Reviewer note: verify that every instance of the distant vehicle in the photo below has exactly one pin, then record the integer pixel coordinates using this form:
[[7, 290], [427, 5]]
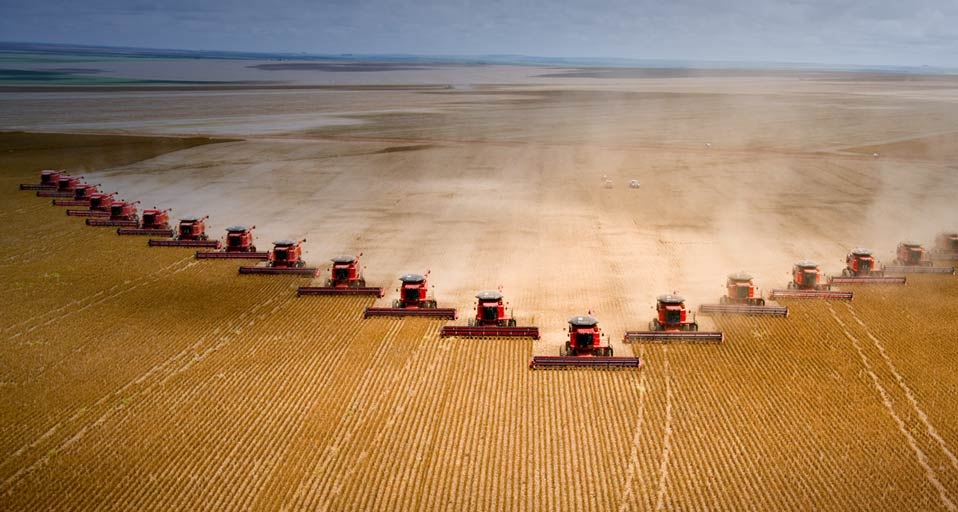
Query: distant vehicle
[[634, 184]]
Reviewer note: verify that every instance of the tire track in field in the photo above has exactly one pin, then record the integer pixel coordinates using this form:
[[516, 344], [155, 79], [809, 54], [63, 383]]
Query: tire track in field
[[636, 441], [96, 298], [667, 437], [162, 373], [932, 431], [920, 455]]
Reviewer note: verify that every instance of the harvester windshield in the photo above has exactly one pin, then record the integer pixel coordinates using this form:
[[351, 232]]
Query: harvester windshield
[[490, 312], [741, 291], [864, 265], [584, 339], [673, 315], [411, 294], [341, 273]]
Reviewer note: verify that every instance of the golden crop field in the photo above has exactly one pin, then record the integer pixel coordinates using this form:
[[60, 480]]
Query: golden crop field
[[139, 378]]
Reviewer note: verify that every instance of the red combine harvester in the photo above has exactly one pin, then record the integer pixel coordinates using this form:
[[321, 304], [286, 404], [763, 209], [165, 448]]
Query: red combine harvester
[[48, 181], [191, 232], [346, 278], [807, 283], [81, 196], [742, 298], [99, 206], [153, 222], [239, 245], [946, 246], [672, 323], [490, 321], [285, 258], [413, 301], [861, 267], [585, 348], [912, 258], [66, 187], [122, 214]]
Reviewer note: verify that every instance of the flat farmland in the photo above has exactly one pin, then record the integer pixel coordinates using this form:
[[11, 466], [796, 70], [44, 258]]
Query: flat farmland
[[136, 378]]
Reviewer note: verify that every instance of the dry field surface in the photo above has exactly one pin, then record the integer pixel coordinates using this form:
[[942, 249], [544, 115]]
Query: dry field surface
[[137, 378]]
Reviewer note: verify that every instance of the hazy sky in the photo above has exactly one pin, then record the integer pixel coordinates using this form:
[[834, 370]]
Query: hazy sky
[[893, 32]]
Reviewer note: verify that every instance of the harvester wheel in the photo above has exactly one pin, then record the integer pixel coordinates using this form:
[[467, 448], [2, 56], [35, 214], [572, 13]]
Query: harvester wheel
[[252, 248], [760, 302], [471, 322], [396, 303], [564, 350], [791, 285], [723, 300], [846, 272], [362, 282], [512, 322], [694, 326]]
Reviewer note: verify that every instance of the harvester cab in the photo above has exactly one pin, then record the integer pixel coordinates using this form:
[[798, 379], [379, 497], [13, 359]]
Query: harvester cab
[[68, 183], [124, 210], [912, 254], [861, 263], [806, 276], [286, 253], [154, 218], [345, 273], [913, 258], [741, 290], [84, 191], [413, 293], [947, 243], [240, 239], [192, 228], [101, 202], [585, 338], [491, 311], [672, 315]]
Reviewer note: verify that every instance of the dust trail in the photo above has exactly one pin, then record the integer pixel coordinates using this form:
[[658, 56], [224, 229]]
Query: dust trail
[[634, 453], [886, 401], [932, 431], [667, 438]]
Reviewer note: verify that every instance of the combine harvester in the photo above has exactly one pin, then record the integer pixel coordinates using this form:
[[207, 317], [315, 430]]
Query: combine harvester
[[191, 232], [861, 268], [413, 301], [807, 283], [672, 324], [154, 222], [912, 258], [742, 298], [122, 214], [491, 321], [81, 196], [98, 206], [48, 181], [946, 246], [285, 258], [346, 278], [66, 187], [239, 245], [584, 349]]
